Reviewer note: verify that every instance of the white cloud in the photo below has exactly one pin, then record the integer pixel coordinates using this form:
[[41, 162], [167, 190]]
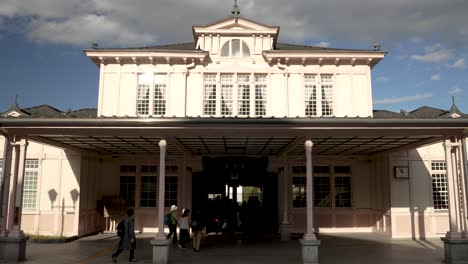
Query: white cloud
[[432, 48], [459, 64], [82, 30], [382, 78], [455, 90], [358, 21], [436, 77], [323, 44], [435, 56], [397, 100]]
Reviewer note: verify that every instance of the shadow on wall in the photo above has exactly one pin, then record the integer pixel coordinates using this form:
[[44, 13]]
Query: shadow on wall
[[74, 194], [423, 192]]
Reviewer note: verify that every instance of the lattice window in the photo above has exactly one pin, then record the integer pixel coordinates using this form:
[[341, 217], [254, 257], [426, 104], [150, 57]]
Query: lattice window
[[149, 186], [299, 186], [260, 94], [439, 185], [310, 95], [321, 186], [226, 94], [209, 95], [160, 94], [31, 173], [342, 175], [127, 184], [243, 96], [327, 95], [143, 94]]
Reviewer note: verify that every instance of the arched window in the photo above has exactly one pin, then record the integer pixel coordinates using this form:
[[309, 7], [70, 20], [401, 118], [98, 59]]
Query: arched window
[[235, 48]]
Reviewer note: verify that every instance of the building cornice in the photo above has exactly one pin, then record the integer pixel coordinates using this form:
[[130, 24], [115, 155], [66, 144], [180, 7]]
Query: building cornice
[[326, 57]]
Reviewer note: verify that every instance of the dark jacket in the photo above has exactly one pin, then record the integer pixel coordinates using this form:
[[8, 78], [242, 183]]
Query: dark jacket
[[125, 243]]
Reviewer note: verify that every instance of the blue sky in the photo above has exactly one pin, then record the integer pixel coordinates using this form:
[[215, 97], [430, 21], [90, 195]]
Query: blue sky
[[42, 41]]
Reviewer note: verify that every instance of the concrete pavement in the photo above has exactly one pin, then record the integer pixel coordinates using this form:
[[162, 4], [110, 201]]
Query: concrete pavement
[[336, 248]]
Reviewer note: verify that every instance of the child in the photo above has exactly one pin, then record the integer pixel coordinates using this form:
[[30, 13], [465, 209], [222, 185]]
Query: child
[[184, 229]]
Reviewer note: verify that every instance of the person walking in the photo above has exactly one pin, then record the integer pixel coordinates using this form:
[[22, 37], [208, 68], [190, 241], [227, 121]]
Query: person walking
[[198, 225], [184, 229], [128, 240], [173, 224]]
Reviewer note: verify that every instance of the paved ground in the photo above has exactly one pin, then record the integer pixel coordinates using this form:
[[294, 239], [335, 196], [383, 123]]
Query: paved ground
[[342, 248]]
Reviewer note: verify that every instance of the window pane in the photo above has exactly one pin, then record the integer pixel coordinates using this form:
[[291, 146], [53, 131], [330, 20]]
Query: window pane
[[321, 191], [226, 94], [225, 49], [245, 50], [310, 95], [31, 173], [127, 189], [235, 51], [260, 94], [439, 185], [159, 94], [209, 95], [327, 95], [342, 191], [148, 191]]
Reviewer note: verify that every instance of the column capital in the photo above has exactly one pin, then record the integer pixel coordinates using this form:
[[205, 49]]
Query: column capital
[[308, 144], [162, 143]]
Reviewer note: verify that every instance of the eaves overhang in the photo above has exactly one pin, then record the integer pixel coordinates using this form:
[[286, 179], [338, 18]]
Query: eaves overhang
[[326, 57], [234, 136], [120, 56], [334, 122]]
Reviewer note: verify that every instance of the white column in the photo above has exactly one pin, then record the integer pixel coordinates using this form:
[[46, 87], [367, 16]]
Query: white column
[[285, 219], [5, 187], [12, 187], [462, 186], [309, 192], [454, 231], [162, 176]]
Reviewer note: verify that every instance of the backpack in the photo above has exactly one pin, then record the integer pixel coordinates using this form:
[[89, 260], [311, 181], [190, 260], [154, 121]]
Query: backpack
[[168, 219], [121, 229]]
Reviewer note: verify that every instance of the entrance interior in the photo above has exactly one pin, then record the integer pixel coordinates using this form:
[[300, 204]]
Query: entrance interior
[[237, 194]]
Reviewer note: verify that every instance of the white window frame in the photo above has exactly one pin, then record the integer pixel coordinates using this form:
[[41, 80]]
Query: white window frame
[[242, 45], [439, 175], [30, 183], [232, 87], [324, 88], [152, 102]]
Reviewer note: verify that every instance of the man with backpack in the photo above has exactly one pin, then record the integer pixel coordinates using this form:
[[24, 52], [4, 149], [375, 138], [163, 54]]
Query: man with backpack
[[171, 221], [127, 241]]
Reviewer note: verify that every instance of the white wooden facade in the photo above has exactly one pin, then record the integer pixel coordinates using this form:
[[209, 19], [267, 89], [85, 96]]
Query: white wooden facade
[[399, 207]]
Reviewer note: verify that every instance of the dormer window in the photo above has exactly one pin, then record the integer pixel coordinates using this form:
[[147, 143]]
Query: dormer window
[[235, 48]]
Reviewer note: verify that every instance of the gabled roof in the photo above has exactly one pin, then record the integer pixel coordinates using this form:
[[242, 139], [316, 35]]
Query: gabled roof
[[421, 112], [221, 21], [43, 111], [426, 112], [82, 113], [279, 46]]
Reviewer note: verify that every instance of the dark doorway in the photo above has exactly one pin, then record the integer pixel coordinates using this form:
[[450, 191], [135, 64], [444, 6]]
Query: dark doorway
[[236, 194]]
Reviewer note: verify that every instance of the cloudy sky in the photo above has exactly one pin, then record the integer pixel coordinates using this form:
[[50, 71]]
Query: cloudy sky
[[41, 42]]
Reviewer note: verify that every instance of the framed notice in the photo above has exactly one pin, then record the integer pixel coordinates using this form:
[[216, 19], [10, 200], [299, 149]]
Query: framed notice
[[401, 172]]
